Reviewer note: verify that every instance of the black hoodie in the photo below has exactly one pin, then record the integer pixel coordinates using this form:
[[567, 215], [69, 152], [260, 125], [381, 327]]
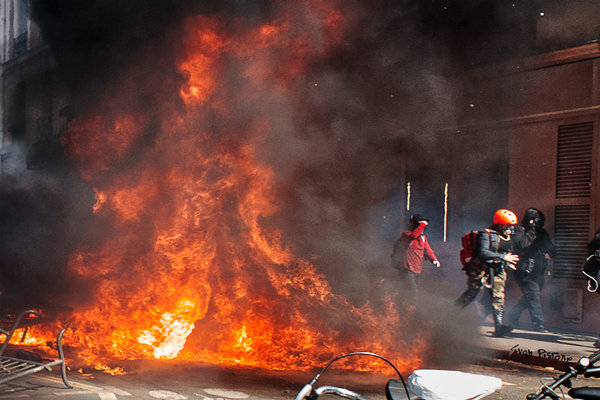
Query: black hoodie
[[535, 254]]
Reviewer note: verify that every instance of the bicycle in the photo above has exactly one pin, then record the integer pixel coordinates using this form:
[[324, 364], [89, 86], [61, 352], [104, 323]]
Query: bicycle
[[465, 386], [585, 367], [397, 389]]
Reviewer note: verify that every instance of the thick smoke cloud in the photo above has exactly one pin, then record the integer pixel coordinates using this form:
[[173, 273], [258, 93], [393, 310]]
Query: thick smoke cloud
[[93, 42], [43, 216], [361, 115]]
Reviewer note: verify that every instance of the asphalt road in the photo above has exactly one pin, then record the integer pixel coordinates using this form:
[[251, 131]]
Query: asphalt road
[[516, 360], [517, 381]]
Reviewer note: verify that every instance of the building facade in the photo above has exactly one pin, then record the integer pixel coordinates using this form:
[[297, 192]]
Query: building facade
[[32, 100], [551, 122], [529, 136]]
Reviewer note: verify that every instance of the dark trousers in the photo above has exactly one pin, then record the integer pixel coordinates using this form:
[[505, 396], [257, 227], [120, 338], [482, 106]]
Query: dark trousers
[[409, 285], [530, 301]]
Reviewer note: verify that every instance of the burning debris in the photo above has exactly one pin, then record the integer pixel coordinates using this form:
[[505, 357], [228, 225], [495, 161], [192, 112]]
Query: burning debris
[[184, 257], [233, 150]]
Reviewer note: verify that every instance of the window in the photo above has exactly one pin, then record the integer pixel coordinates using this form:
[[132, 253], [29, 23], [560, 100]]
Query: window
[[573, 211], [571, 235], [22, 17], [574, 160]]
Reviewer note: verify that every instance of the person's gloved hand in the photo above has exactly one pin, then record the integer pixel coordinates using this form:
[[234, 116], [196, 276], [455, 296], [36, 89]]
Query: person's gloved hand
[[511, 259]]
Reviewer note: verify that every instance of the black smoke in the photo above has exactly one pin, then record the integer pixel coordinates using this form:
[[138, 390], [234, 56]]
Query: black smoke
[[93, 42], [42, 220], [365, 115]]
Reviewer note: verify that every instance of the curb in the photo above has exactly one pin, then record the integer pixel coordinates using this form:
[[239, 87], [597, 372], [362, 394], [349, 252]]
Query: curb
[[558, 349], [544, 362]]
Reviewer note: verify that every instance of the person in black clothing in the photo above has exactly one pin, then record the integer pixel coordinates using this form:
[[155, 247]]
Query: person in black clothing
[[592, 267], [533, 260], [594, 249]]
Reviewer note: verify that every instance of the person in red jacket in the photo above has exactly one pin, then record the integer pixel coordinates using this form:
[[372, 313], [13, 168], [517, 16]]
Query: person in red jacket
[[409, 251]]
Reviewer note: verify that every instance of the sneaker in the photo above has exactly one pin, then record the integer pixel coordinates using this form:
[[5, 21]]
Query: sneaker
[[540, 328], [502, 330]]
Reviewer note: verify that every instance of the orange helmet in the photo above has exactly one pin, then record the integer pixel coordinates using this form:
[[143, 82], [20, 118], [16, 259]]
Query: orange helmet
[[505, 217]]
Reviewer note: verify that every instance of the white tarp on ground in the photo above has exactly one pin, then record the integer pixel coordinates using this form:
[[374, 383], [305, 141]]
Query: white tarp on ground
[[435, 384]]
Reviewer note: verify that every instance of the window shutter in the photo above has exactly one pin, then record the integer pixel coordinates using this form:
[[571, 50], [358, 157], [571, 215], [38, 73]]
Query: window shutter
[[571, 235], [574, 160]]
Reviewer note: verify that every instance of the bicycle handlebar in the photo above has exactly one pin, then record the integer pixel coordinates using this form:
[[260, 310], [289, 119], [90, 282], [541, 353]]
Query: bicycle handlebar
[[584, 367], [592, 372], [304, 392], [348, 394], [310, 393], [548, 390], [594, 357]]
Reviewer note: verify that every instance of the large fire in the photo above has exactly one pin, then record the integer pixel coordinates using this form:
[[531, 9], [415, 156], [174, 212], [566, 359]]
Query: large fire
[[190, 270]]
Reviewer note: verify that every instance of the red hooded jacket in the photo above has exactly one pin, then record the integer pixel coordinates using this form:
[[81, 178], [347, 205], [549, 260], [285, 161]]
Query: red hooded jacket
[[417, 247]]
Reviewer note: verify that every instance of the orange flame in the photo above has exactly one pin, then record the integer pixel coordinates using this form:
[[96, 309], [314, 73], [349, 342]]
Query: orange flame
[[190, 271]]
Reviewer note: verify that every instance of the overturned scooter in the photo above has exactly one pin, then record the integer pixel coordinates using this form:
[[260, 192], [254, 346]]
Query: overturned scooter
[[424, 384]]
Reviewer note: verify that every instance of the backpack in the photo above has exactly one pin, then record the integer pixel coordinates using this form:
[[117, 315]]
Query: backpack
[[469, 246], [399, 254]]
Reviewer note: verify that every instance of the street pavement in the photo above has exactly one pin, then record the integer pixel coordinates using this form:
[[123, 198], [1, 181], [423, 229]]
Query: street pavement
[[529, 354], [548, 349]]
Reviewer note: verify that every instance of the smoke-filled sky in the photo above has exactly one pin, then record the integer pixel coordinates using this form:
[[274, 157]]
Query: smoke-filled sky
[[360, 112]]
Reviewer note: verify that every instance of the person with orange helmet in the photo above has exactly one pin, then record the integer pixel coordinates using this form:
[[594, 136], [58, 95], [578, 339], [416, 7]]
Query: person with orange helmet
[[493, 255], [505, 217]]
